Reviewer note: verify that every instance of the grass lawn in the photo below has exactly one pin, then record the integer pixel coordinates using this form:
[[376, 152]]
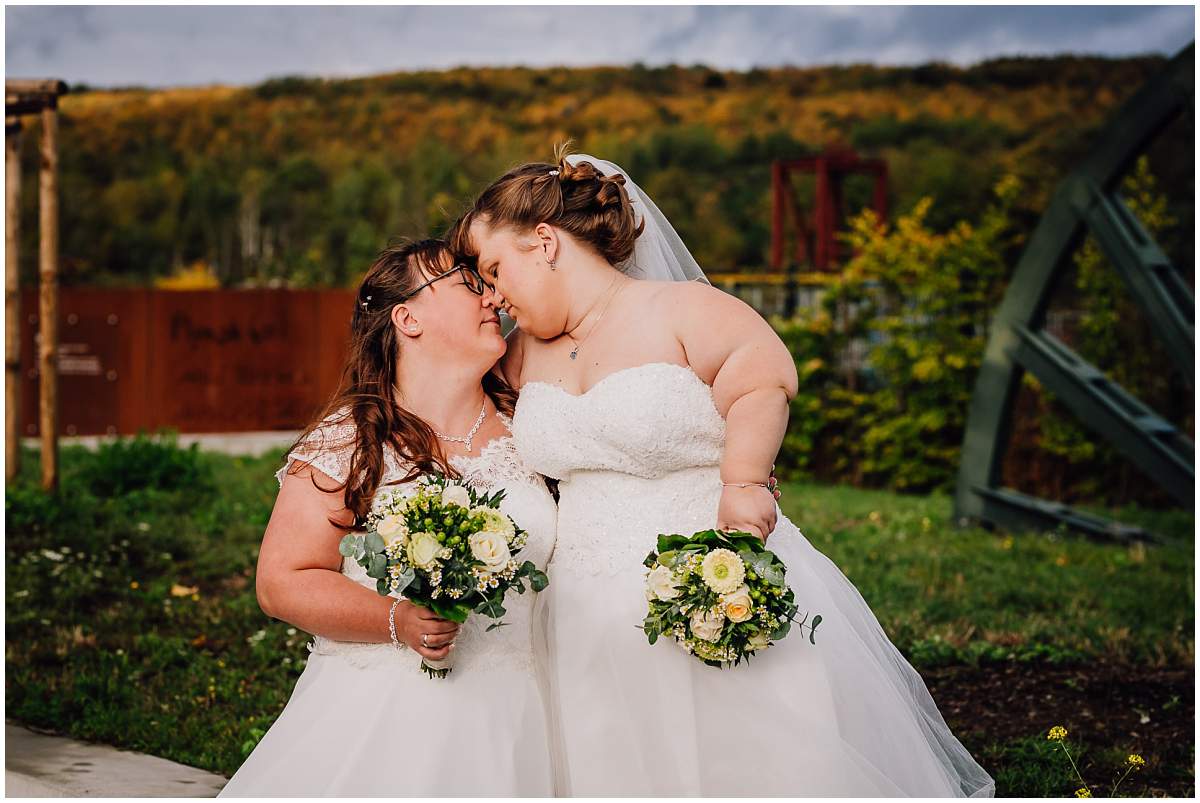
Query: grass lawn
[[131, 619]]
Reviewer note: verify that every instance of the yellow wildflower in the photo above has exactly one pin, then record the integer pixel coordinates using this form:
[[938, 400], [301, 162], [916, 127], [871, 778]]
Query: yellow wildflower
[[1057, 733], [1083, 792], [1135, 761]]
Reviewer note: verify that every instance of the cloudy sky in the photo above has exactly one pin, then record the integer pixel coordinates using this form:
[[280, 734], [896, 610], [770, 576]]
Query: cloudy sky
[[190, 45]]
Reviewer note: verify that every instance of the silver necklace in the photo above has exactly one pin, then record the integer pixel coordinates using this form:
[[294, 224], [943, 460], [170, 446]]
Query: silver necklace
[[466, 440], [575, 351]]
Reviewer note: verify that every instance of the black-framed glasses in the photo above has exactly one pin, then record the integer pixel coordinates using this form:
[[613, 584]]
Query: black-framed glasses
[[470, 277]]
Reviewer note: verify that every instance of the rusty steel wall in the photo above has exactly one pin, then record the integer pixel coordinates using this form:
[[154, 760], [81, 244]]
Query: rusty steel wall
[[195, 361]]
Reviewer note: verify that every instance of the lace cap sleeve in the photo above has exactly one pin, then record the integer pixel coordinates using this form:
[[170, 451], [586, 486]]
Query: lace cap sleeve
[[327, 448]]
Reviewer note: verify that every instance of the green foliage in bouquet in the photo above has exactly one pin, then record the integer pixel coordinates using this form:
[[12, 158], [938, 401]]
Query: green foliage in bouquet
[[721, 595]]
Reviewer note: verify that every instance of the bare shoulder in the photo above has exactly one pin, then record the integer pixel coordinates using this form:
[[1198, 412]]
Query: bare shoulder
[[690, 303]]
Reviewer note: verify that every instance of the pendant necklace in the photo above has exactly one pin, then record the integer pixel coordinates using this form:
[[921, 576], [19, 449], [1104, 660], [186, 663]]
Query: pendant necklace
[[575, 351]]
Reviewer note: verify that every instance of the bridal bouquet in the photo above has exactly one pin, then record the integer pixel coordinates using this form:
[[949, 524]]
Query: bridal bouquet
[[721, 595], [446, 547]]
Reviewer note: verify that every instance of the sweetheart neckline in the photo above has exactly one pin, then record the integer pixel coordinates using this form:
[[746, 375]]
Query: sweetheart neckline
[[619, 371]]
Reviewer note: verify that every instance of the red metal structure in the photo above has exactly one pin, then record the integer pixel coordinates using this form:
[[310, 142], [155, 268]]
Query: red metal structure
[[815, 240]]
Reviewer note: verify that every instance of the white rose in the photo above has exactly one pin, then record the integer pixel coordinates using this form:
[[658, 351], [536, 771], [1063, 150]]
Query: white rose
[[422, 550], [494, 521], [738, 605], [457, 495], [491, 548], [662, 584], [392, 528], [707, 625]]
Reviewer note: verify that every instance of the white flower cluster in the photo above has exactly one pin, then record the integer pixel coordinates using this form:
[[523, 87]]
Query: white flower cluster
[[712, 603], [427, 550]]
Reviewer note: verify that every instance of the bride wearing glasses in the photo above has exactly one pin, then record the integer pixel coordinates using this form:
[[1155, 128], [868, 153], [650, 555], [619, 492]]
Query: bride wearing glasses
[[416, 396]]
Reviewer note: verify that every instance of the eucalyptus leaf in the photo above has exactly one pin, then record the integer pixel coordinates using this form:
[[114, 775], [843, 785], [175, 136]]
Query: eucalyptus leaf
[[772, 575], [374, 543], [346, 546], [405, 578], [812, 631], [377, 567], [382, 586], [538, 581]]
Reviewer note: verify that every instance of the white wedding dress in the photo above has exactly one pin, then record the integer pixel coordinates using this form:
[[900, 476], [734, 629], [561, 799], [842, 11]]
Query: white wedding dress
[[638, 455], [363, 720]]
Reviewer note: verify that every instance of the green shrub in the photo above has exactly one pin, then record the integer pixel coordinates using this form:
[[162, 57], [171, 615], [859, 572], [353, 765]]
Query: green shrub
[[146, 462]]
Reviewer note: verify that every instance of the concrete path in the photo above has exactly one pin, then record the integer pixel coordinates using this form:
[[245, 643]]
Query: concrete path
[[37, 765]]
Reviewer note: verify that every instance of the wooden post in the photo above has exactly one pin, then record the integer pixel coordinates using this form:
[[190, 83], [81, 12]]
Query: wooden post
[[12, 298], [48, 307]]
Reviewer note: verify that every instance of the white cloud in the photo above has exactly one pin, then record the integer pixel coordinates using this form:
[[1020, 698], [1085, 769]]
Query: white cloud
[[157, 45]]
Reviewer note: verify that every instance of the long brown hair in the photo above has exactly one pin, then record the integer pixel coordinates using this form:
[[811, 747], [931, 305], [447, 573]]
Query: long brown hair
[[577, 198], [365, 396]]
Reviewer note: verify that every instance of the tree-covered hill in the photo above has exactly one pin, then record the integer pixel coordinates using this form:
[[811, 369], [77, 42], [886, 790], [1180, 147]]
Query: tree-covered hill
[[301, 181]]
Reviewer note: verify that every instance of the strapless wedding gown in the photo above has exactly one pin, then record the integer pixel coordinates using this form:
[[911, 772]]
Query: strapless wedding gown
[[363, 720], [638, 455]]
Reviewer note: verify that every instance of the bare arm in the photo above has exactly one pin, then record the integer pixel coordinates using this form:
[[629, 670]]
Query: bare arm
[[299, 577], [753, 377]]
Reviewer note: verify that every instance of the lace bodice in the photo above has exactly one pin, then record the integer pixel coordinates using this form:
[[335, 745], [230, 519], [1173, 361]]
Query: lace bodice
[[526, 499], [637, 454]]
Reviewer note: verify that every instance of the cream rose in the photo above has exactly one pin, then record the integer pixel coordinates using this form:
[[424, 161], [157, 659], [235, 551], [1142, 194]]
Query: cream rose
[[759, 641], [491, 548], [456, 494], [707, 625], [661, 583], [722, 570], [392, 528], [495, 522], [738, 605], [422, 550]]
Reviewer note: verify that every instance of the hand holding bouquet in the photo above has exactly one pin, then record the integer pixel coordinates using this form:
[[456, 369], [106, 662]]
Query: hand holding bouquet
[[722, 596], [447, 548]]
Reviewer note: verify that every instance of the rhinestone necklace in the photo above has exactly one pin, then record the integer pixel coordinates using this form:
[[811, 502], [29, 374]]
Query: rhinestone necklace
[[467, 439]]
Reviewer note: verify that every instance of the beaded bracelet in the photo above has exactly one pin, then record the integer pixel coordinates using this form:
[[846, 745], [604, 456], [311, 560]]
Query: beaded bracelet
[[745, 484], [397, 643]]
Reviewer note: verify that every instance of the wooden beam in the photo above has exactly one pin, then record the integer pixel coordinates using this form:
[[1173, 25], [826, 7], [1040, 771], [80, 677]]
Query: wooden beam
[[23, 97], [12, 299], [35, 86], [48, 301]]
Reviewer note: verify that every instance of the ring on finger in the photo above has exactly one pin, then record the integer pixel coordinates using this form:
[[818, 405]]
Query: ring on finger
[[424, 643]]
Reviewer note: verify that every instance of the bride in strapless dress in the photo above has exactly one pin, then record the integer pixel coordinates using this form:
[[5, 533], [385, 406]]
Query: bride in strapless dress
[[659, 406]]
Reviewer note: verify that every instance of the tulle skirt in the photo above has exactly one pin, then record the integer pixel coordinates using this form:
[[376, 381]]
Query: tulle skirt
[[380, 727], [846, 716]]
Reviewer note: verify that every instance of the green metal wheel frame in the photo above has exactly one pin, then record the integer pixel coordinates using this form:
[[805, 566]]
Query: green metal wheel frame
[[1086, 201]]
